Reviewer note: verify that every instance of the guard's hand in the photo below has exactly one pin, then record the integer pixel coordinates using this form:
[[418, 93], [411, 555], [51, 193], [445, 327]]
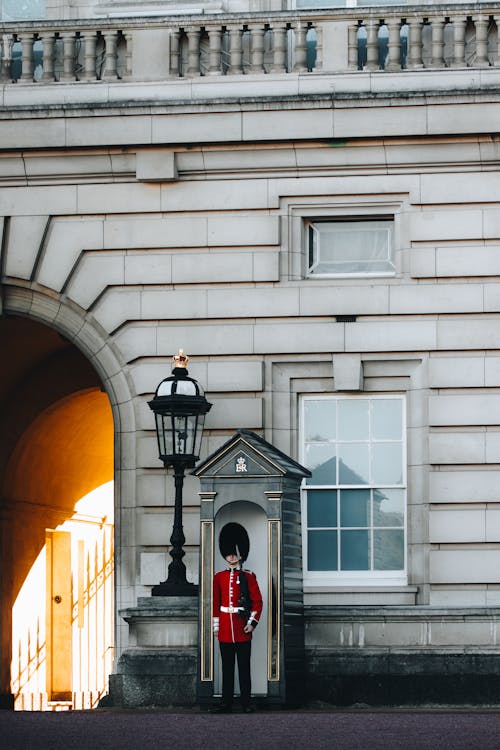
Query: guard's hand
[[248, 628]]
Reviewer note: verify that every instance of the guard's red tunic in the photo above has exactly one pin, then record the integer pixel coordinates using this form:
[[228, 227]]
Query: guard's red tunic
[[228, 623]]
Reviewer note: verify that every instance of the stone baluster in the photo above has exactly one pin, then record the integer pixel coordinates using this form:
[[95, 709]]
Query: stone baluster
[[214, 52], [279, 49], [129, 40], [437, 28], [459, 24], [26, 58], [48, 42], [257, 49], [68, 71], [7, 42], [175, 67], [110, 72], [496, 61], [415, 27], [235, 51], [481, 23], [193, 66], [394, 48], [352, 46], [89, 62], [319, 47], [300, 65], [372, 46]]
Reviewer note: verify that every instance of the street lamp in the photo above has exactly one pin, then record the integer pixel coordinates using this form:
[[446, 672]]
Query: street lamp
[[179, 406]]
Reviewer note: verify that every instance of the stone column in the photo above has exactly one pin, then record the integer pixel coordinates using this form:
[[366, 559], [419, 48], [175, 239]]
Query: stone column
[[437, 26], [175, 68], [214, 54], [415, 26], [279, 49], [235, 51], [496, 61], [193, 67], [372, 62], [319, 47], [27, 58], [459, 24], [129, 40], [352, 46], [394, 58], [481, 24], [89, 63], [48, 41], [257, 49], [6, 71], [300, 65], [68, 71], [110, 71]]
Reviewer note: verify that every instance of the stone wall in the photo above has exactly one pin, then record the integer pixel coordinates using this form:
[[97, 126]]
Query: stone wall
[[137, 228]]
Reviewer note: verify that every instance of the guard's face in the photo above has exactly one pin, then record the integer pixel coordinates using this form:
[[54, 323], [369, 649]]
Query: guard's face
[[232, 559]]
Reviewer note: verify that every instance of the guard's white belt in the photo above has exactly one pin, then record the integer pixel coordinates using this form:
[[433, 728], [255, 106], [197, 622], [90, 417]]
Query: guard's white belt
[[231, 610]]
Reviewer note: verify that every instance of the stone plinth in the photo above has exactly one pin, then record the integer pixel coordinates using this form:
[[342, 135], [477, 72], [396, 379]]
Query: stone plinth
[[159, 668]]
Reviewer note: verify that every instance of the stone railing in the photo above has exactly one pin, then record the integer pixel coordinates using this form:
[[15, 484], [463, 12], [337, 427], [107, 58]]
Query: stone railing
[[385, 38]]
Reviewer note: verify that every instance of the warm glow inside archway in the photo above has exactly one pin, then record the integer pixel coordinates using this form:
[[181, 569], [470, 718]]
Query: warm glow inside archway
[[65, 453], [59, 477], [91, 530]]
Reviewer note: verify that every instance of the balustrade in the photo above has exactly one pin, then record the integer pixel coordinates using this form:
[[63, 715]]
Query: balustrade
[[376, 39]]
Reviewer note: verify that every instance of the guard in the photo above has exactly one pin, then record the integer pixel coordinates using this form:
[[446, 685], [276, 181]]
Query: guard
[[237, 604]]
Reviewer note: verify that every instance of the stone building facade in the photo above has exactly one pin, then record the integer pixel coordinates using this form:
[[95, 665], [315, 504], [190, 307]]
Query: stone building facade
[[307, 201]]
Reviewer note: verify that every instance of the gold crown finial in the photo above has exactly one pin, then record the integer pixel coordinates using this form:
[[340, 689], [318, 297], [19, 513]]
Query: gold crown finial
[[180, 359]]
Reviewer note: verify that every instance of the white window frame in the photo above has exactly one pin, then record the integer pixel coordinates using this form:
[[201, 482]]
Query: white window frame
[[361, 577], [312, 225]]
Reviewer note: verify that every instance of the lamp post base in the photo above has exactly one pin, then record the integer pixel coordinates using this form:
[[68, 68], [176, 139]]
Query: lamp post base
[[175, 589]]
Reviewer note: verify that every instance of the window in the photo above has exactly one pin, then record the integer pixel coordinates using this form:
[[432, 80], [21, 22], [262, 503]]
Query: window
[[351, 247], [354, 504], [14, 10]]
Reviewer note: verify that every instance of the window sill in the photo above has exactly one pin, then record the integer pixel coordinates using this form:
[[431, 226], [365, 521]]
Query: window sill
[[360, 595], [382, 275]]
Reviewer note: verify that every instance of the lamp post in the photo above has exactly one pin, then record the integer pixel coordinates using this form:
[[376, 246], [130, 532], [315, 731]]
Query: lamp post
[[179, 406]]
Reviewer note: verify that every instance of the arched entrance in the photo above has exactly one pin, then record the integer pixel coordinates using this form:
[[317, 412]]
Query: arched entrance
[[56, 450]]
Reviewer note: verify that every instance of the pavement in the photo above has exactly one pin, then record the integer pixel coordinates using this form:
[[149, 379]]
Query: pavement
[[431, 728]]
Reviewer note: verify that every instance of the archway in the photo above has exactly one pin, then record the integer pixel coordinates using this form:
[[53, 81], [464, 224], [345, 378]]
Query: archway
[[56, 447]]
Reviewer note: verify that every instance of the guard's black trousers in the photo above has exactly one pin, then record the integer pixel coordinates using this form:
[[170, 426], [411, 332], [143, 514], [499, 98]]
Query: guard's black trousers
[[228, 652]]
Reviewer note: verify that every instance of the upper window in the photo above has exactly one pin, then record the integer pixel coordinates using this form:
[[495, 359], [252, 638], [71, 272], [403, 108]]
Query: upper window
[[17, 10], [351, 247], [354, 504]]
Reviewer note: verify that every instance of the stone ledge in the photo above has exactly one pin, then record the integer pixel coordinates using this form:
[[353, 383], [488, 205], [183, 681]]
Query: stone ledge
[[396, 612]]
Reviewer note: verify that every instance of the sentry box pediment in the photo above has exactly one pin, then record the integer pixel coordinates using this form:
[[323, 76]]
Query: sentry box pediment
[[247, 454], [251, 482]]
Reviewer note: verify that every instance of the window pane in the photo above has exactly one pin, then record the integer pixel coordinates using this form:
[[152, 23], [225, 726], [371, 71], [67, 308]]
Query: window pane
[[13, 10], [355, 507], [322, 508], [354, 419], [353, 464], [386, 419], [387, 467], [388, 549], [322, 550], [354, 550], [320, 459], [364, 246], [388, 507], [319, 420]]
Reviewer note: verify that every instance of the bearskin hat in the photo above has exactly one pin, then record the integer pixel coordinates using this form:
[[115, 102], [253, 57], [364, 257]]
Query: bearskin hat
[[233, 540]]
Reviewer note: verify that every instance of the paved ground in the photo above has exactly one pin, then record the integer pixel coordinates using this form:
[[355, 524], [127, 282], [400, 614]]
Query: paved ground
[[106, 729]]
